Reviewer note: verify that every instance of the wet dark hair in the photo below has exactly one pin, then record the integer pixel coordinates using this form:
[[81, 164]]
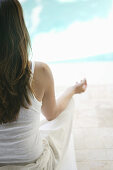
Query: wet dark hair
[[15, 70]]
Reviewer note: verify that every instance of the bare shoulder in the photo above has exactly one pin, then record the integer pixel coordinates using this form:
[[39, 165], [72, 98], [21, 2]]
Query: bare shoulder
[[41, 66], [41, 79], [42, 69]]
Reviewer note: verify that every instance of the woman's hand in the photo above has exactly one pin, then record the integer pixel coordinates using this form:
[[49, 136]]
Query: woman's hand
[[80, 87]]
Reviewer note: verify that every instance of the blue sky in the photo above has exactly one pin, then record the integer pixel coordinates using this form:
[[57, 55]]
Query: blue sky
[[69, 29]]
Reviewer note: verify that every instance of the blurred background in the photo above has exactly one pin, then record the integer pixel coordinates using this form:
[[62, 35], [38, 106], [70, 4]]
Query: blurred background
[[75, 37]]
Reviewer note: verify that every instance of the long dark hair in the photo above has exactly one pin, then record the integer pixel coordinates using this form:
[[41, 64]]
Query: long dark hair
[[15, 70]]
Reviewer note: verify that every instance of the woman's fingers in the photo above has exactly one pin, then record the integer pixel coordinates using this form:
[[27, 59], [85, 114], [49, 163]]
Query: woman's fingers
[[84, 84], [84, 87], [81, 86]]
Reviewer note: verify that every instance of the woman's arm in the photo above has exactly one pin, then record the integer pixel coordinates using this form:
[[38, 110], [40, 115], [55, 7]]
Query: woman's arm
[[52, 107], [64, 99]]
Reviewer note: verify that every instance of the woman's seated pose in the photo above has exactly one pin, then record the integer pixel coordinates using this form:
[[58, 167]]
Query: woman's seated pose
[[26, 90]]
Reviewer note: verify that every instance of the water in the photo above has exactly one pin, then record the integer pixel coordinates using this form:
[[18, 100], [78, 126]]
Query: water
[[99, 58]]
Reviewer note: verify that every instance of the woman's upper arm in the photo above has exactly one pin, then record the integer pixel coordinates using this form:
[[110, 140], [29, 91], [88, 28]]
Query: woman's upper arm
[[48, 99]]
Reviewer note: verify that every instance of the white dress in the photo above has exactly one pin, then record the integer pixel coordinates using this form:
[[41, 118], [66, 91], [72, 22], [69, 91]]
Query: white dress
[[53, 140]]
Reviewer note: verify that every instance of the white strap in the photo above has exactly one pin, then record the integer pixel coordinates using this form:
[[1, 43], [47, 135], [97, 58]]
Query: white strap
[[32, 66], [32, 70]]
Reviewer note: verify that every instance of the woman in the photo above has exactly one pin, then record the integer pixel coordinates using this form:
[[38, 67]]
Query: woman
[[26, 89]]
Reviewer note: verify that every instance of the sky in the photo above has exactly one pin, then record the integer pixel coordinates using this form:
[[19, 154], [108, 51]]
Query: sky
[[69, 29]]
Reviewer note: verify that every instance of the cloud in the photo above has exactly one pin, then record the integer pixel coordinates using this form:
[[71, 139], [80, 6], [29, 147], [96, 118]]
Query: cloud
[[35, 17], [22, 1], [80, 39]]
